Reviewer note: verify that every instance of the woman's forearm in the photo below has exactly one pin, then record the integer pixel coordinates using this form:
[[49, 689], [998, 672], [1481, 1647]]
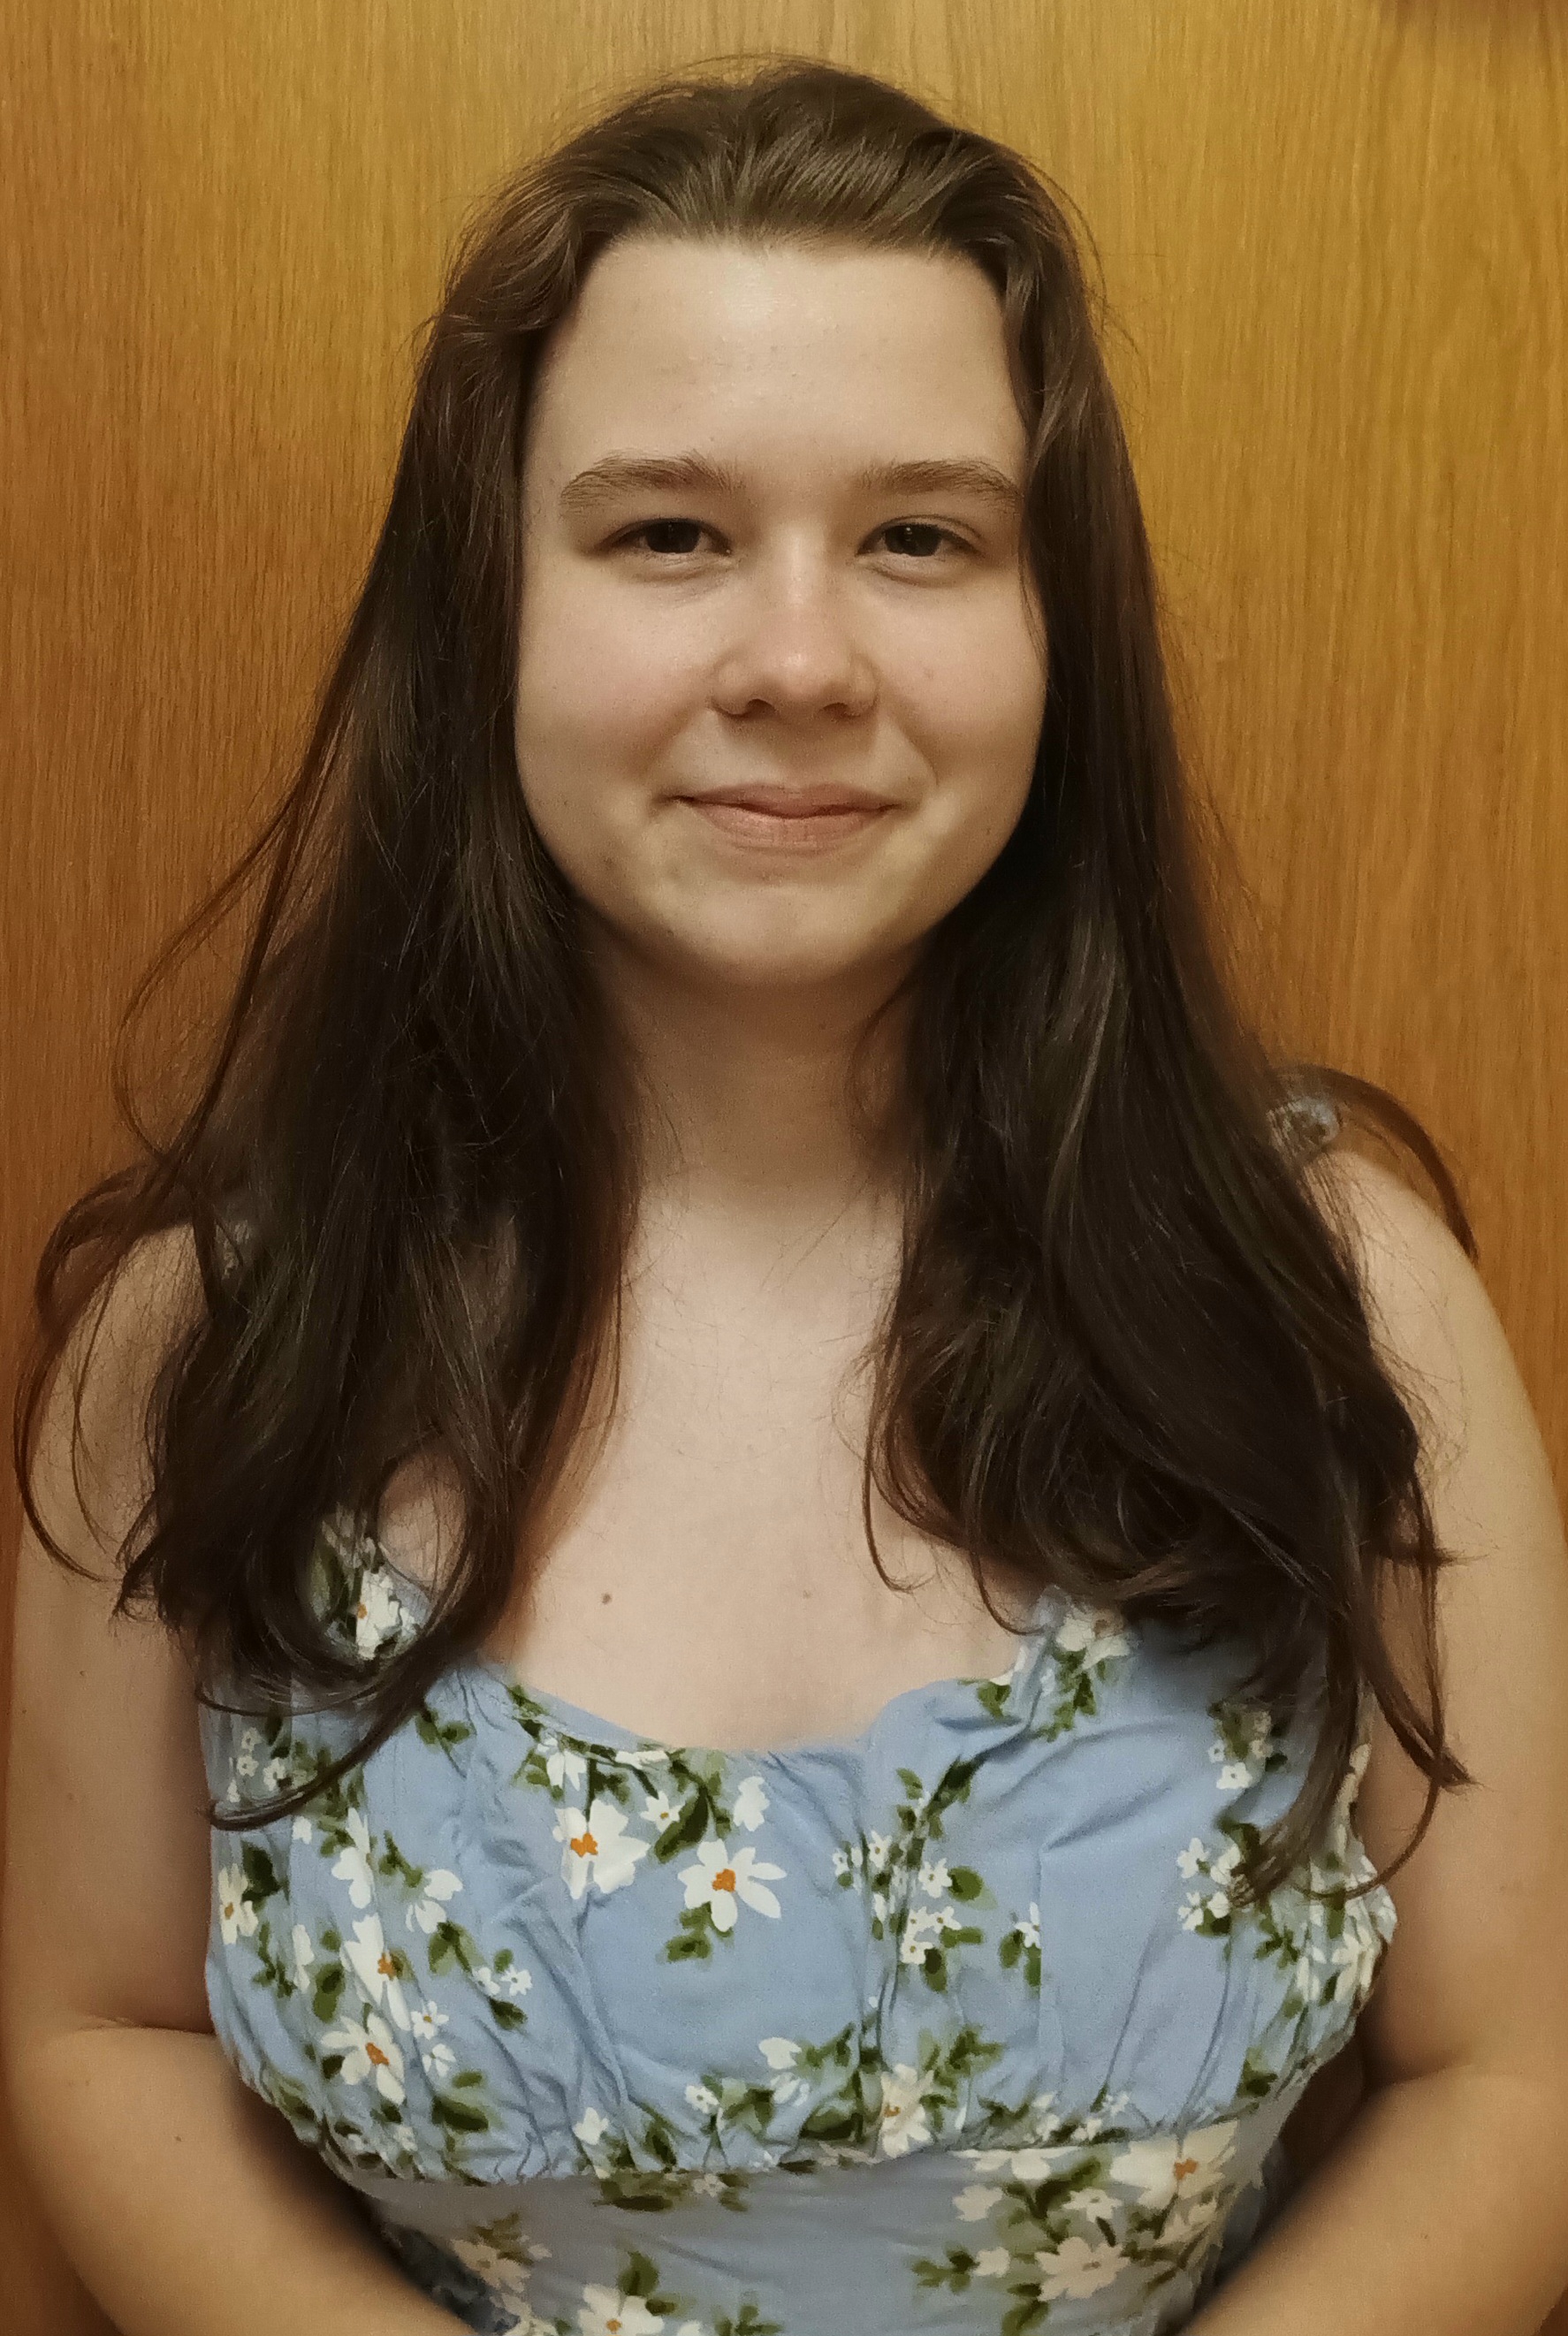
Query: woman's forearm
[[1442, 2210], [186, 2204]]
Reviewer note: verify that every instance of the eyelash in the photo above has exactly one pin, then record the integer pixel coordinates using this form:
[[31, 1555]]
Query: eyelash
[[628, 540]]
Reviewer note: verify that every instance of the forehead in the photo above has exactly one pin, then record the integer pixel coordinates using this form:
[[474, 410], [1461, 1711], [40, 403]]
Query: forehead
[[776, 351]]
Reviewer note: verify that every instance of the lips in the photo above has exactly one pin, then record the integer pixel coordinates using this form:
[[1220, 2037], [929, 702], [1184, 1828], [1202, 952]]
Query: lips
[[793, 803]]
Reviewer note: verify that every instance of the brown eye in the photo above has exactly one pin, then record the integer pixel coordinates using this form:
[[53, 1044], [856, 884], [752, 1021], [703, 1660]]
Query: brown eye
[[668, 535], [918, 539]]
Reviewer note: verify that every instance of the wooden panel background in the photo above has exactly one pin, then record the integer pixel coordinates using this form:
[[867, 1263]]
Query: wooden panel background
[[1336, 231]]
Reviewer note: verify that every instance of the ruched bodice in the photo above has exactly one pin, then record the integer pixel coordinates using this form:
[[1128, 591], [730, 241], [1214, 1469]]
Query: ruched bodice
[[949, 2026]]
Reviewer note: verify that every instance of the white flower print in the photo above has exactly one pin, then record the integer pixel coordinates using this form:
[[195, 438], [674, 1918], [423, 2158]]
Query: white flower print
[[429, 1908], [1184, 2166], [606, 2311], [934, 1878], [779, 2051], [354, 1865], [507, 2274], [250, 1737], [1256, 1724], [1344, 1799], [750, 1803], [878, 1844], [1098, 2205], [659, 1810], [235, 1911], [598, 1847], [374, 1969], [703, 2101], [276, 1775], [923, 1930], [1094, 1632], [1077, 2268], [1199, 2217], [436, 2057], [304, 1956], [721, 1881], [1192, 1859], [368, 2046], [245, 1764], [1030, 1929], [1034, 2164], [991, 2263], [590, 2128], [377, 1616], [1355, 1963], [303, 1829], [516, 1981], [562, 1768], [903, 2120], [975, 2203]]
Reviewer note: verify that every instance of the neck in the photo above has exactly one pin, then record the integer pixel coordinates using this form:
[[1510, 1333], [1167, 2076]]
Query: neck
[[750, 1111]]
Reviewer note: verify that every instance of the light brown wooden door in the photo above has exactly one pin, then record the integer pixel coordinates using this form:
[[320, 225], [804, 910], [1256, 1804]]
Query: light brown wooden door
[[1335, 232]]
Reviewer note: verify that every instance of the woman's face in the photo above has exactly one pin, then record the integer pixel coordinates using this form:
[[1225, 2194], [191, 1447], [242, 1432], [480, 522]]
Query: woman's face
[[771, 544]]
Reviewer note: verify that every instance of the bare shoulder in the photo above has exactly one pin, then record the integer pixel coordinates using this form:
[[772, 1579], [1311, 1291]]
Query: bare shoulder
[[1431, 1317], [89, 1470], [1475, 1975], [106, 1875]]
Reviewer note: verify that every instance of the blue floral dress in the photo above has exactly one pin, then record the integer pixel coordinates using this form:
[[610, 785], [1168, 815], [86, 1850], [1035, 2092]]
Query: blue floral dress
[[951, 2026]]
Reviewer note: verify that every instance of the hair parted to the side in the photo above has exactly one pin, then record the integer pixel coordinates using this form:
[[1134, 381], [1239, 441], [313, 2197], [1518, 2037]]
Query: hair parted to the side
[[1128, 1352]]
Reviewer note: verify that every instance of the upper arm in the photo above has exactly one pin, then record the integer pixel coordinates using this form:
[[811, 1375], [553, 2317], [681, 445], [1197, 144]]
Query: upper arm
[[107, 1873], [1476, 1973]]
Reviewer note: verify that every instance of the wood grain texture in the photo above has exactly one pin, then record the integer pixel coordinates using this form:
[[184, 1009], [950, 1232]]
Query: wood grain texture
[[1335, 237]]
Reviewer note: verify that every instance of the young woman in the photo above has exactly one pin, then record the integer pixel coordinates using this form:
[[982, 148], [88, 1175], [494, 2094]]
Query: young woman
[[778, 1654]]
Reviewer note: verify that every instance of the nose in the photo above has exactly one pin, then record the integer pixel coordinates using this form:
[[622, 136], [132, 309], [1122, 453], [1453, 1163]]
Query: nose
[[792, 649]]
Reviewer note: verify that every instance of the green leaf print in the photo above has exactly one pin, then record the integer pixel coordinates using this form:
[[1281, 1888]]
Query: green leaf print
[[992, 1697], [261, 1882], [460, 2116], [1022, 1944], [329, 1994], [694, 1938], [689, 1829], [451, 1943], [954, 2272], [440, 1735], [747, 2321], [1090, 1648]]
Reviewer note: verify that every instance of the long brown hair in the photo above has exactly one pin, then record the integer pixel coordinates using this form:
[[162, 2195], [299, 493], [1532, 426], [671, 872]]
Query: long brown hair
[[1128, 1354]]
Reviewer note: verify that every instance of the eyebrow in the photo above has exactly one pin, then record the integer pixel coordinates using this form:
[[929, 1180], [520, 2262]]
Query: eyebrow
[[620, 474]]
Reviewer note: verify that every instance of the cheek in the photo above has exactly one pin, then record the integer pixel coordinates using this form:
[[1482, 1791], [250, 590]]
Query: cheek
[[595, 693], [975, 695]]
